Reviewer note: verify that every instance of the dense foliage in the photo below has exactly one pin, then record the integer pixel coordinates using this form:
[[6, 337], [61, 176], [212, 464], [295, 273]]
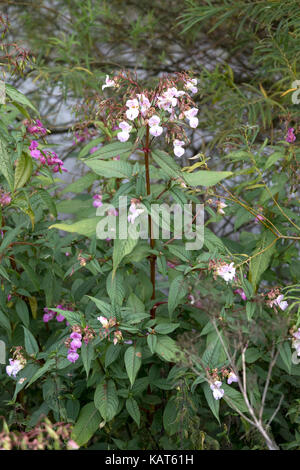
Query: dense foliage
[[149, 343]]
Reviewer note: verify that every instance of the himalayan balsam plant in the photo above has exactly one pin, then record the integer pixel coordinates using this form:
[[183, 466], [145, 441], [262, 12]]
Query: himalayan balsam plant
[[140, 342]]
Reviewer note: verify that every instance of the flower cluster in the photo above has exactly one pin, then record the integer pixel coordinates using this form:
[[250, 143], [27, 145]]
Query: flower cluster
[[17, 362], [160, 110], [135, 210], [107, 324], [216, 384], [37, 128], [290, 135], [5, 199], [97, 200], [50, 314], [47, 157], [275, 299], [74, 343], [224, 270]]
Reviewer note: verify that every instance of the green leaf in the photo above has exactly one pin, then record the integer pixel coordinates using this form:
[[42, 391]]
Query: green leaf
[[152, 342], [166, 163], [213, 404], [115, 288], [6, 167], [85, 227], [106, 399], [167, 349], [170, 418], [211, 356], [5, 323], [87, 424], [112, 354], [260, 262], [47, 200], [23, 170], [234, 396], [121, 249], [87, 354], [111, 169], [109, 151], [31, 345], [22, 311], [17, 96], [205, 178], [133, 409], [104, 307], [51, 363], [178, 290], [166, 328], [133, 362], [286, 355], [80, 184]]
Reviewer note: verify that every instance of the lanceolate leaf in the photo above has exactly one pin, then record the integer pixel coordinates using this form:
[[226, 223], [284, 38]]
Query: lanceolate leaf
[[205, 178], [6, 167], [23, 170], [106, 399], [133, 362], [87, 424]]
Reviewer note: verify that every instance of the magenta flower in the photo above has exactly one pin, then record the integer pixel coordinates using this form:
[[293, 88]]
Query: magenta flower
[[72, 356], [37, 128], [241, 293], [290, 135], [60, 318], [33, 145], [75, 335], [97, 200]]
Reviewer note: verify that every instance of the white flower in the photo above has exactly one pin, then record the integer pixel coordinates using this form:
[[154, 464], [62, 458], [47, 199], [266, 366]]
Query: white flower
[[178, 150], [126, 128], [133, 109], [135, 212], [296, 345], [155, 129], [282, 304], [220, 207], [103, 321], [226, 271], [232, 378], [14, 367], [190, 85], [108, 83], [144, 103], [218, 392], [297, 334], [190, 114]]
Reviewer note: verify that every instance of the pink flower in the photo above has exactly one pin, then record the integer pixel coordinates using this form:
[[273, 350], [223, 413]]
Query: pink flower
[[9, 297], [14, 367], [290, 135], [134, 212], [241, 293], [37, 128], [190, 85], [72, 356], [218, 392], [108, 83], [72, 445], [178, 150], [75, 344], [97, 200], [33, 145], [133, 109], [226, 271], [258, 218], [191, 116], [75, 335], [144, 103], [232, 378], [60, 318], [5, 200]]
